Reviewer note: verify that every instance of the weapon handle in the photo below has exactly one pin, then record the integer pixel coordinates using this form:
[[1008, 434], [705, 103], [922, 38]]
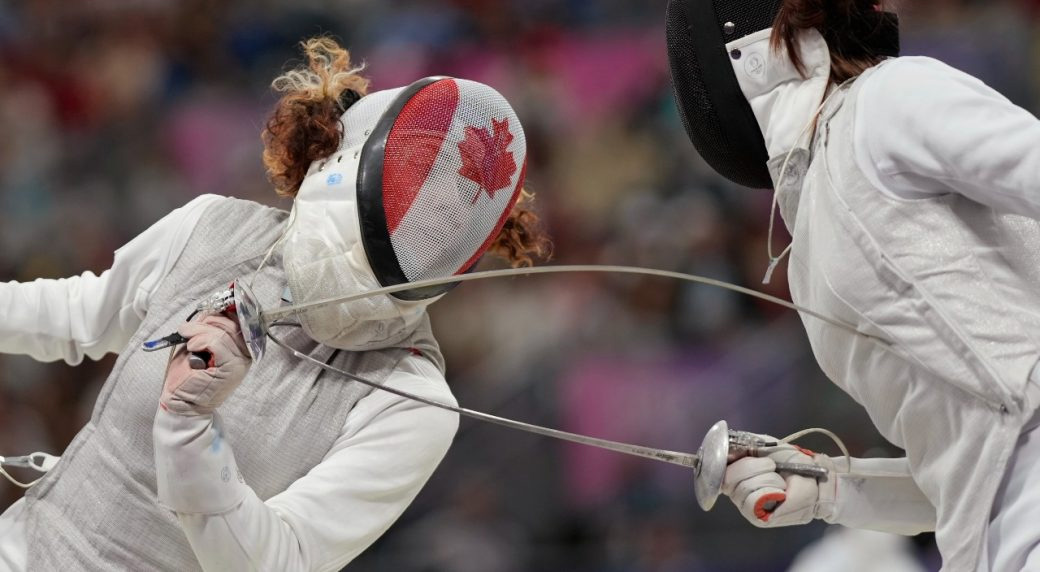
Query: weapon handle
[[803, 469], [199, 360]]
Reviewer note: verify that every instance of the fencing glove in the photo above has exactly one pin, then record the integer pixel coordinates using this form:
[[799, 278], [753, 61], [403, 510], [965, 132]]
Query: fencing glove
[[874, 494]]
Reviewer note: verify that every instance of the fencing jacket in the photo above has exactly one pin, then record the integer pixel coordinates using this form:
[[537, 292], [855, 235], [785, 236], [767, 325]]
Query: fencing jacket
[[298, 470], [916, 222]]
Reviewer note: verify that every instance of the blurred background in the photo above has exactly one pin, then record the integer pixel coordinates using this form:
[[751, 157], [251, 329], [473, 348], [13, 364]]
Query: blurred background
[[114, 112]]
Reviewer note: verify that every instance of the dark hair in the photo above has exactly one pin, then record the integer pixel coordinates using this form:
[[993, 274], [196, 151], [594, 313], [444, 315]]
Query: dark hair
[[847, 25], [304, 127]]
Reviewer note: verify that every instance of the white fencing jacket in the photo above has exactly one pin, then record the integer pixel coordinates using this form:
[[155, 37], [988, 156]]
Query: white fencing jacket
[[387, 449], [916, 222]]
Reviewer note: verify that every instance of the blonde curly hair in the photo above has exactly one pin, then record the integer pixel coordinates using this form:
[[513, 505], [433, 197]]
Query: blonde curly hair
[[304, 127]]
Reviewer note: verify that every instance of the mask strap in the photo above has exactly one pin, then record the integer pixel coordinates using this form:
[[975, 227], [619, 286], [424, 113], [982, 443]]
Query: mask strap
[[774, 261]]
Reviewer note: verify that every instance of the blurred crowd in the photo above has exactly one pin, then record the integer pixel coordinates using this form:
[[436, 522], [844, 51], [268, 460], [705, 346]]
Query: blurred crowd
[[116, 111]]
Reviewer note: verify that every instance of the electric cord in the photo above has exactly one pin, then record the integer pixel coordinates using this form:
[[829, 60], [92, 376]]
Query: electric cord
[[41, 462], [837, 440]]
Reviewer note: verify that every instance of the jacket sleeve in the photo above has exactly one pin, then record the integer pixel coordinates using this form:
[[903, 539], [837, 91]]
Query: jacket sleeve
[[388, 449], [925, 129], [881, 495], [90, 315]]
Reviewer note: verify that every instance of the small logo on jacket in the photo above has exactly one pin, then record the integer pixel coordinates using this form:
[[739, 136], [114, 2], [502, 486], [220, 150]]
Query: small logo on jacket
[[754, 65]]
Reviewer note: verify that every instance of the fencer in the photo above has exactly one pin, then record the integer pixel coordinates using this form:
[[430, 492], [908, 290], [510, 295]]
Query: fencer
[[911, 193], [277, 466]]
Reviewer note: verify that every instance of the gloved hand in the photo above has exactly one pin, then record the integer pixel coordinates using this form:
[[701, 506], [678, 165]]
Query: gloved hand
[[769, 499], [189, 391]]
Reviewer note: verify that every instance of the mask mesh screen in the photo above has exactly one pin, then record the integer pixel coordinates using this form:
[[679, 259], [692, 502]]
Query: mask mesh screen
[[700, 117], [453, 168]]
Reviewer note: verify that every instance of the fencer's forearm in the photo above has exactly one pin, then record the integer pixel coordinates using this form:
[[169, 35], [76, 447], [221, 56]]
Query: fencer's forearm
[[195, 468], [88, 315], [66, 319], [227, 526], [388, 449], [250, 537], [198, 479], [880, 494]]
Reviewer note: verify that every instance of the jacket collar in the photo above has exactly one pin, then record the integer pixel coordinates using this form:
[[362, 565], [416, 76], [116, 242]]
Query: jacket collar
[[783, 101]]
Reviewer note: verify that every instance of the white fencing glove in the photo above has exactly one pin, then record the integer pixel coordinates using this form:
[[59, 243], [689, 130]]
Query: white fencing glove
[[874, 494], [768, 499], [188, 391]]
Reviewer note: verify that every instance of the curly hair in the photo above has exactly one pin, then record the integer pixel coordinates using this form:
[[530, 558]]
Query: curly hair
[[522, 238], [304, 127]]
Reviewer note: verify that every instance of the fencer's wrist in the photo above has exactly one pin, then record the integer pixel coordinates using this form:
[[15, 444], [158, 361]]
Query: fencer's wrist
[[827, 502], [186, 403], [849, 499], [182, 408], [196, 472]]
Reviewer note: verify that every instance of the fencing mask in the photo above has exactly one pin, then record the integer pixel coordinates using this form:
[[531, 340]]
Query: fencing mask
[[715, 112], [423, 181]]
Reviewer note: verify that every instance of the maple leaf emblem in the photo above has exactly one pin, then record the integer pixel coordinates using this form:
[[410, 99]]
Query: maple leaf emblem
[[485, 160]]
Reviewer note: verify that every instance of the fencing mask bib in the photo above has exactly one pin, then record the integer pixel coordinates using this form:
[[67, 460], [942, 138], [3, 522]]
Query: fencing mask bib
[[715, 111], [422, 183]]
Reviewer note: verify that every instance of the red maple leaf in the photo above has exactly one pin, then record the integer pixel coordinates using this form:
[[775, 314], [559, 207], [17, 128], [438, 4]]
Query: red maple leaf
[[485, 160]]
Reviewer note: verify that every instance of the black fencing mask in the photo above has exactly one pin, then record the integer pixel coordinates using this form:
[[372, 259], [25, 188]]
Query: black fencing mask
[[714, 110]]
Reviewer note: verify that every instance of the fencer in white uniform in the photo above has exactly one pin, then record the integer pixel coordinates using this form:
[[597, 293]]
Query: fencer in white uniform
[[389, 445], [912, 193], [278, 466]]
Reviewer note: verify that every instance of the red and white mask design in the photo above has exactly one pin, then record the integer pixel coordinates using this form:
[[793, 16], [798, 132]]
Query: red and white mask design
[[423, 181]]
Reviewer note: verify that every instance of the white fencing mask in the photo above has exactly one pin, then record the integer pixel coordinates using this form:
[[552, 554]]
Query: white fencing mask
[[422, 182]]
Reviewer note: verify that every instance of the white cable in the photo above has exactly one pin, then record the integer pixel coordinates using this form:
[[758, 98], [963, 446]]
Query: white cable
[[837, 440], [40, 462], [774, 261], [13, 480]]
